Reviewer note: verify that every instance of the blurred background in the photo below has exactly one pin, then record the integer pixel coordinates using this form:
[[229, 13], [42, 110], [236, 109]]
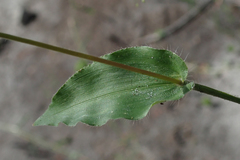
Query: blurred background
[[197, 127]]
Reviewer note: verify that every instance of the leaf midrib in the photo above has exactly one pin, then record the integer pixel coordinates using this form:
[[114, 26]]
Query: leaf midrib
[[150, 86]]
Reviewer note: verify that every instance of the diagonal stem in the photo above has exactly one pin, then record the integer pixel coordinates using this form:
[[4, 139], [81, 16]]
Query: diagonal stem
[[89, 57], [197, 87]]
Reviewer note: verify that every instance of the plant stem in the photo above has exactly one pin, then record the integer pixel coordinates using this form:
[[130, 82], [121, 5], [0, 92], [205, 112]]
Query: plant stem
[[89, 57], [197, 87], [216, 93]]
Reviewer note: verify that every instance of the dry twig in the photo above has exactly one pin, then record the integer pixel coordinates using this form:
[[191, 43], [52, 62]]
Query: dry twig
[[55, 148], [176, 26]]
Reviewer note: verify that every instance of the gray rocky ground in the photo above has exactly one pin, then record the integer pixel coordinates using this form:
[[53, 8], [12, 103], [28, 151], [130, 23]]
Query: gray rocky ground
[[198, 127]]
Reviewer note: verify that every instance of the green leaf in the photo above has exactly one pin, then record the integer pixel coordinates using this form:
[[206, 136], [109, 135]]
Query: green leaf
[[100, 92]]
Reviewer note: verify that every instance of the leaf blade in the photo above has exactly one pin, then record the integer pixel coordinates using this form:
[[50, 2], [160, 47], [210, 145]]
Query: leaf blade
[[101, 92]]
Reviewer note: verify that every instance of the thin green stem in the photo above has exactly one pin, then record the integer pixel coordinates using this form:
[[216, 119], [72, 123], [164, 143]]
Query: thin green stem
[[197, 87], [216, 93], [89, 57]]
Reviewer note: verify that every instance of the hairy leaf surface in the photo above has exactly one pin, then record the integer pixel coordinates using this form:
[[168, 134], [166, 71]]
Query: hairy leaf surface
[[101, 92]]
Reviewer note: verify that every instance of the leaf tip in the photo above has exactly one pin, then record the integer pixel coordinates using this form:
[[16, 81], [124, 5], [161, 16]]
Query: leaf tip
[[42, 121]]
